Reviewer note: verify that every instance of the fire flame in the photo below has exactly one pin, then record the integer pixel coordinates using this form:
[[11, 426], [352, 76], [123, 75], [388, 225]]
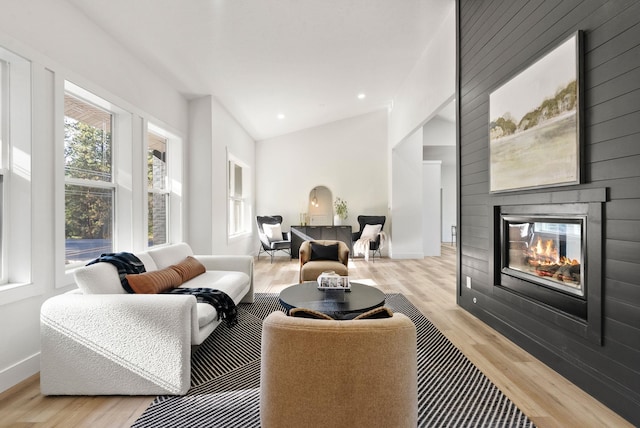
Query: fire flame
[[546, 254], [543, 258]]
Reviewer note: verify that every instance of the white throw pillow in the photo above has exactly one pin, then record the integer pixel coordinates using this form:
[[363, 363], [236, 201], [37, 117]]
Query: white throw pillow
[[165, 256], [273, 231], [99, 278], [371, 231]]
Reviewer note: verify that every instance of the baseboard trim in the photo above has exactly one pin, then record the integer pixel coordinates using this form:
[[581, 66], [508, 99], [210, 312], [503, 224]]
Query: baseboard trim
[[407, 256], [20, 371]]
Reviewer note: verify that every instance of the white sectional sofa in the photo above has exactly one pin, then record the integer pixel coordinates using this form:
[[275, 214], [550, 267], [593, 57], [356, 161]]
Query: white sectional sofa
[[101, 340]]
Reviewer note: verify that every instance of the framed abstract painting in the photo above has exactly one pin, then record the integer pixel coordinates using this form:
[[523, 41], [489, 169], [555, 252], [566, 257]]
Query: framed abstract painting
[[534, 123]]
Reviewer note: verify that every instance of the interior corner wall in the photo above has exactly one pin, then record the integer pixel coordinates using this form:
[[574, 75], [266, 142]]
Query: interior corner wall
[[428, 87], [497, 40], [200, 158], [440, 132], [431, 207], [407, 199], [348, 156], [213, 134]]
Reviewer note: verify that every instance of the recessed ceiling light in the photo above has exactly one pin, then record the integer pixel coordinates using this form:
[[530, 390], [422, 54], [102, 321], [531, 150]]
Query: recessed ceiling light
[[281, 116], [362, 96]]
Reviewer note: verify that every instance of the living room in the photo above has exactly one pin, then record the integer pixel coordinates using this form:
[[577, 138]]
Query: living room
[[361, 151], [96, 67]]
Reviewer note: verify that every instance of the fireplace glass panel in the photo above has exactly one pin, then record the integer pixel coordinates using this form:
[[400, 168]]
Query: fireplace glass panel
[[546, 251]]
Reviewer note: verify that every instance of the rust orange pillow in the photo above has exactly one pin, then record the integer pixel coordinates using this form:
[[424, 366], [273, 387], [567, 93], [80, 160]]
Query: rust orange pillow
[[154, 282], [189, 268]]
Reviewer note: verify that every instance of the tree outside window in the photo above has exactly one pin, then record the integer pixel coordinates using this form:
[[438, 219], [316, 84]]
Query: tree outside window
[[89, 187]]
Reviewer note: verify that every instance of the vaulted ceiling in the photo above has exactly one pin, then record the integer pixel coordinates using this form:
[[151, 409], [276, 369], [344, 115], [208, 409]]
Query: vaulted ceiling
[[304, 59]]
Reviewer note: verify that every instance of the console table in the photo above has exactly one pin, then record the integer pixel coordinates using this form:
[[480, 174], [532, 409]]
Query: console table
[[299, 234]]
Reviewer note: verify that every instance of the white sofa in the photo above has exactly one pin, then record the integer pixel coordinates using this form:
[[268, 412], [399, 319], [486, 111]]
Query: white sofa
[[101, 340]]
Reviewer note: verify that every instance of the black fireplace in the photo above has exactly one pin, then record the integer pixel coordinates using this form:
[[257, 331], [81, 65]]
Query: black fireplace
[[547, 256], [545, 250], [541, 256]]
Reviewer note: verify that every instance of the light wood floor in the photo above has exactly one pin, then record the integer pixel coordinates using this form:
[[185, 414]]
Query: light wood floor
[[543, 395]]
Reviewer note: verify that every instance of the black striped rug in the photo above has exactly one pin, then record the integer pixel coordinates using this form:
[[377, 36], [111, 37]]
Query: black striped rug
[[225, 379]]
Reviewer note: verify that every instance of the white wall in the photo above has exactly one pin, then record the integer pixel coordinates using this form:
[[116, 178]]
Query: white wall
[[407, 198], [439, 132], [431, 208], [348, 156], [439, 139], [55, 33], [214, 132], [63, 45], [449, 203], [429, 86], [199, 173]]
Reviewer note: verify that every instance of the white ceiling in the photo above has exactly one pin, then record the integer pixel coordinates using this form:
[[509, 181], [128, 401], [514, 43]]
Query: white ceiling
[[306, 59]]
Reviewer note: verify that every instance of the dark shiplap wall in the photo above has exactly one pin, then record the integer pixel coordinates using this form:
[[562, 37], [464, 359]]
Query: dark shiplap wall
[[498, 39]]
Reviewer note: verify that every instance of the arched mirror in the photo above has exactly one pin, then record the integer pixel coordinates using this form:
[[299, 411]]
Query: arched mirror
[[320, 206]]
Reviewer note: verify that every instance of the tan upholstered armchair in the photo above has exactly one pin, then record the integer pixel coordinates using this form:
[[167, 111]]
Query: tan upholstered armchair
[[328, 373], [311, 267]]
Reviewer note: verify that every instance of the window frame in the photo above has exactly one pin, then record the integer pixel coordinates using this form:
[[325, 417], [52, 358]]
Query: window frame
[[121, 153], [166, 190], [4, 154], [244, 200], [16, 276], [129, 151], [97, 102]]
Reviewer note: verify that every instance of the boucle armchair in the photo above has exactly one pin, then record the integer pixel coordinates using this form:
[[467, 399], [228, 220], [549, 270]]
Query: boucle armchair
[[310, 269], [328, 373]]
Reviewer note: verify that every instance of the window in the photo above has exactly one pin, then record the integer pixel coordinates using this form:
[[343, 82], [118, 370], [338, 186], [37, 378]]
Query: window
[[89, 185], [121, 183], [15, 176], [3, 156], [158, 189], [239, 207]]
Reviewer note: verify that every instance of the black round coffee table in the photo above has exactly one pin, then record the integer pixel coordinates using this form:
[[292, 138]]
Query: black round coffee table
[[335, 303]]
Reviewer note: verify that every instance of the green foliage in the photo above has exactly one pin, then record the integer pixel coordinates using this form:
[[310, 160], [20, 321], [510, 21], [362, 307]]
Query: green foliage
[[508, 126], [529, 120], [88, 210], [341, 208], [87, 151], [564, 100]]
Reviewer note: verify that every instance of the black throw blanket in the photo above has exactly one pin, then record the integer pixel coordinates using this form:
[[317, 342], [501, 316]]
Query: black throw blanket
[[225, 306], [127, 264]]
